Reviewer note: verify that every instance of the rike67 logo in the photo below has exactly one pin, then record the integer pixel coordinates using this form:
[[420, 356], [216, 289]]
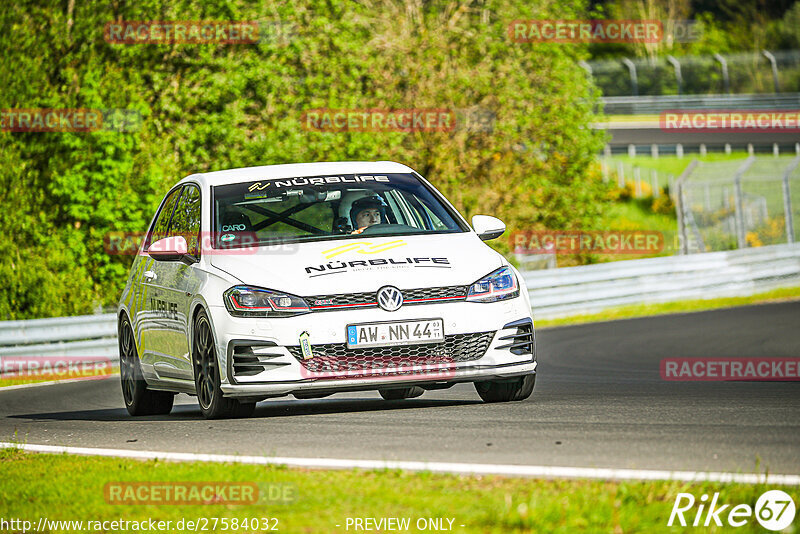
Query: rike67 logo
[[774, 510]]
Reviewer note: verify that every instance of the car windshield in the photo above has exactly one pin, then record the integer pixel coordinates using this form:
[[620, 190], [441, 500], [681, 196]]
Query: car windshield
[[327, 207]]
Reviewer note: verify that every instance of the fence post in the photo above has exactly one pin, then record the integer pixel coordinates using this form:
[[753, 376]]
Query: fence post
[[725, 79], [637, 177], [680, 207], [737, 182], [654, 183], [787, 200], [679, 203], [771, 58], [620, 174], [678, 77], [740, 236], [634, 80]]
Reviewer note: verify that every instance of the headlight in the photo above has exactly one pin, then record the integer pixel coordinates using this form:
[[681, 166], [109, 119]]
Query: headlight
[[246, 301], [499, 285]]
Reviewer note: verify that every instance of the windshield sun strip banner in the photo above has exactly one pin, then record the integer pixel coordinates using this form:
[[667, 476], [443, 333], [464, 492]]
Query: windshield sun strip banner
[[321, 189]]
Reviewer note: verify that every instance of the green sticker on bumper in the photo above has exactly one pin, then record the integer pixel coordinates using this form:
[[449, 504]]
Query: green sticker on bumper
[[305, 346]]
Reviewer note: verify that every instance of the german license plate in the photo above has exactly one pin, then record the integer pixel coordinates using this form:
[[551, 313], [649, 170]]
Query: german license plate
[[395, 333]]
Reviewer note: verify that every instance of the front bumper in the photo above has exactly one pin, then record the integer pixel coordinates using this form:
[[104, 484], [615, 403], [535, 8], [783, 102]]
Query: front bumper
[[259, 358]]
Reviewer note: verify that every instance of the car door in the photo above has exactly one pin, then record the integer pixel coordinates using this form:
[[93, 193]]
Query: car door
[[154, 322], [179, 284]]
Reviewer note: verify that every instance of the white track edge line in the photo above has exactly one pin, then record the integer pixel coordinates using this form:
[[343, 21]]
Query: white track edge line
[[537, 471]]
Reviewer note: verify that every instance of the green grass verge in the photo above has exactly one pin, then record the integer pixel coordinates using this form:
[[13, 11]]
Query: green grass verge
[[61, 487], [674, 165], [645, 310], [5, 382], [671, 164], [632, 215]]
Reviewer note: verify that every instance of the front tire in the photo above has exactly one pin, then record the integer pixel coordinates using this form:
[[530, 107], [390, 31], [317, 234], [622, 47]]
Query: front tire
[[138, 399], [207, 378], [516, 389], [401, 393]]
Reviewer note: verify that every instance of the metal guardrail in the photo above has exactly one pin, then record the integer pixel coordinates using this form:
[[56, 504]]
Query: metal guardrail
[[653, 105], [81, 339], [739, 73], [553, 292], [57, 328], [591, 288]]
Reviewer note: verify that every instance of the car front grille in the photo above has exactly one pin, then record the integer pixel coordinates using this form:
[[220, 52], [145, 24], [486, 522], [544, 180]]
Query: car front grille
[[428, 295], [336, 358]]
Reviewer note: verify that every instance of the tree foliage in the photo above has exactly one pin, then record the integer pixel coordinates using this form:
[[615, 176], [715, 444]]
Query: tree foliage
[[207, 107]]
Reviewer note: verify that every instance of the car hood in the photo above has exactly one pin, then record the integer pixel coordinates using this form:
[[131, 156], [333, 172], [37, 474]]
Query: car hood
[[359, 265]]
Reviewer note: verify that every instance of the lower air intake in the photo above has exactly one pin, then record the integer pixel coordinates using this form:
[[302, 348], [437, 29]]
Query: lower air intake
[[336, 357]]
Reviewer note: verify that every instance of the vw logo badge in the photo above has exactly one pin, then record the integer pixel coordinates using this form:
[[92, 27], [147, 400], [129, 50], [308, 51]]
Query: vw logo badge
[[390, 298]]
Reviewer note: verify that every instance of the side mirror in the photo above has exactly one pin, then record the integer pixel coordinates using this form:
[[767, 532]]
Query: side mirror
[[488, 227], [172, 248]]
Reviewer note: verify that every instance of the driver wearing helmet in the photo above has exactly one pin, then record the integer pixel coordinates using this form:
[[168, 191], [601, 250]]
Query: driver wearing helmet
[[366, 212]]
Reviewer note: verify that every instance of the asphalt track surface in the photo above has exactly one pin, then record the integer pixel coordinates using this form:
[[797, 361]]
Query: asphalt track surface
[[599, 401], [654, 135]]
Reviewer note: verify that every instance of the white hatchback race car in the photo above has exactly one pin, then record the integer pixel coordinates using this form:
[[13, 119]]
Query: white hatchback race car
[[317, 278]]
